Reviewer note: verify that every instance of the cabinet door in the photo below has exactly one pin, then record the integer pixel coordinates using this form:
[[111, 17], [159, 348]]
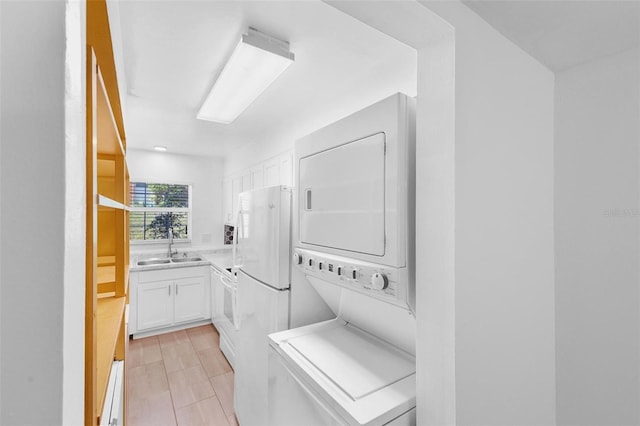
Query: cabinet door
[[286, 169], [154, 304], [236, 189], [246, 182], [257, 177], [190, 299], [227, 201], [272, 172]]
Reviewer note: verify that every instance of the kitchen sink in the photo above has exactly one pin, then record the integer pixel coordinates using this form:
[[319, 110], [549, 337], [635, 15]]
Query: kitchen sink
[[186, 259], [153, 262]]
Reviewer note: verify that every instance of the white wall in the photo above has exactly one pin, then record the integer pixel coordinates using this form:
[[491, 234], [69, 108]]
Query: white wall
[[499, 190], [504, 264], [597, 235], [41, 213], [205, 176], [75, 214]]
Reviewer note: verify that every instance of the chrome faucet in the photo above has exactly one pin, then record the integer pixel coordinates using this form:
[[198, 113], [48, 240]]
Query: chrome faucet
[[171, 252]]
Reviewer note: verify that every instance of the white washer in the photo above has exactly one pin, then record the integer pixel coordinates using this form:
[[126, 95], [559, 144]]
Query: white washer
[[357, 369], [354, 244], [333, 373]]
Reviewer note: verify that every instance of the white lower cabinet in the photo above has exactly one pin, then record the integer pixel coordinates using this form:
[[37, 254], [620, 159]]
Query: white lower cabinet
[[189, 300], [155, 305], [169, 298]]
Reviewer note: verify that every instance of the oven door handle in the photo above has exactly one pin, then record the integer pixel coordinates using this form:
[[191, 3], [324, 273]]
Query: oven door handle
[[227, 283], [215, 271], [231, 287]]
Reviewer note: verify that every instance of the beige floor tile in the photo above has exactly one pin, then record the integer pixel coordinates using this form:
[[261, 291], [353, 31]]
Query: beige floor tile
[[189, 386], [204, 339], [151, 410], [201, 329], [179, 356], [173, 378], [223, 386], [174, 338], [214, 362], [206, 412], [232, 420], [143, 351], [146, 380]]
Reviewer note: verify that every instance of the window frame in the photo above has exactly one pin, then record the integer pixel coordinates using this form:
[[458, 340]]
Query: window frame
[[188, 210]]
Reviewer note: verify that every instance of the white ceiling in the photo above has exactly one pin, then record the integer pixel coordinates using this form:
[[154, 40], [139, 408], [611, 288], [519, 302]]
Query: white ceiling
[[561, 34], [173, 50]]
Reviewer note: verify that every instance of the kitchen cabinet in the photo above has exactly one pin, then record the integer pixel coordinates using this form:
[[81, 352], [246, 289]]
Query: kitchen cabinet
[[227, 201], [277, 170], [169, 298], [286, 169], [257, 177], [246, 182], [107, 216], [236, 185], [190, 300], [239, 184], [272, 172], [155, 305]]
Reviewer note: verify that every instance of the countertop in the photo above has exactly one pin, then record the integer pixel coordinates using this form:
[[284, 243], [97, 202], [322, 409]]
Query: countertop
[[222, 258]]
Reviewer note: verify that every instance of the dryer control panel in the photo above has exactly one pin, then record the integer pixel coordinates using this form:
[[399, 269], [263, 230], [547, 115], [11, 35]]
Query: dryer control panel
[[375, 280]]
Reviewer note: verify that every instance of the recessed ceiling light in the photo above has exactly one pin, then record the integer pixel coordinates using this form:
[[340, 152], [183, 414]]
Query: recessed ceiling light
[[160, 148], [255, 63]]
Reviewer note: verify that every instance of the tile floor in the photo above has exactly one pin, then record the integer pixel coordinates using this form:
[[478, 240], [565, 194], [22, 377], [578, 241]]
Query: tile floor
[[179, 378]]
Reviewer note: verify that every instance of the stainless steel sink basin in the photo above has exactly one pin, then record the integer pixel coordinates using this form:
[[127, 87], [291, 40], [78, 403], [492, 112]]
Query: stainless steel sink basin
[[153, 262], [186, 259]]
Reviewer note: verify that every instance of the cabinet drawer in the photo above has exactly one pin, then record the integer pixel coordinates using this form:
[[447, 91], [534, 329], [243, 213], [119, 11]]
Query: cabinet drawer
[[172, 274]]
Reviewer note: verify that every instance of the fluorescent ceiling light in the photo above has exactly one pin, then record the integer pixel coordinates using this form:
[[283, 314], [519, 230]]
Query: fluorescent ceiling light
[[160, 148], [255, 63]]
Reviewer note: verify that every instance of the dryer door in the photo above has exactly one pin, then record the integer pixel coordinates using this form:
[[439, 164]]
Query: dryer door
[[342, 197]]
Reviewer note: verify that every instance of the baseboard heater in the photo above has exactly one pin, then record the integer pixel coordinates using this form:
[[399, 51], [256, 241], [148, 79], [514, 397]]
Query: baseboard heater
[[113, 409]]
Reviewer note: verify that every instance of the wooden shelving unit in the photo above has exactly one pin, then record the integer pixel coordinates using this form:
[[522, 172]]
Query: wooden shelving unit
[[107, 216], [110, 316]]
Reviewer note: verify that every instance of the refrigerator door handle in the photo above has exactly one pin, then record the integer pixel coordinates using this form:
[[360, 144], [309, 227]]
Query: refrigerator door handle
[[236, 232]]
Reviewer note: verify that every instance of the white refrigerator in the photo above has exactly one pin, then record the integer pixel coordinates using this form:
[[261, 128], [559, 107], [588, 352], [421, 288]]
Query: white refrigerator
[[262, 250]]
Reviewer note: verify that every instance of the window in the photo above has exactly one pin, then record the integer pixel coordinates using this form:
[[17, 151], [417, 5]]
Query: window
[[156, 208]]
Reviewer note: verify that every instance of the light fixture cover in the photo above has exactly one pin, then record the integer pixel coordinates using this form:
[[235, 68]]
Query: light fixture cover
[[255, 63]]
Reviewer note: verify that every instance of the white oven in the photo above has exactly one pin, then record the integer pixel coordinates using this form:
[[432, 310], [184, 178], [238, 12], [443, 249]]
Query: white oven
[[224, 315], [356, 183]]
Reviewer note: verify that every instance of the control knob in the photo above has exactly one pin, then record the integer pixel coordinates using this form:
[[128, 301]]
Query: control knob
[[379, 281], [297, 259]]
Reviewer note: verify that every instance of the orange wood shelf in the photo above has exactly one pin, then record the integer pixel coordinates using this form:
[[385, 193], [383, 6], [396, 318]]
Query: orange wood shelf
[[107, 215], [110, 314]]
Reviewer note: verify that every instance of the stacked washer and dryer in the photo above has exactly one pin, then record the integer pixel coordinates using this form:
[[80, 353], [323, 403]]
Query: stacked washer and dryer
[[353, 241]]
